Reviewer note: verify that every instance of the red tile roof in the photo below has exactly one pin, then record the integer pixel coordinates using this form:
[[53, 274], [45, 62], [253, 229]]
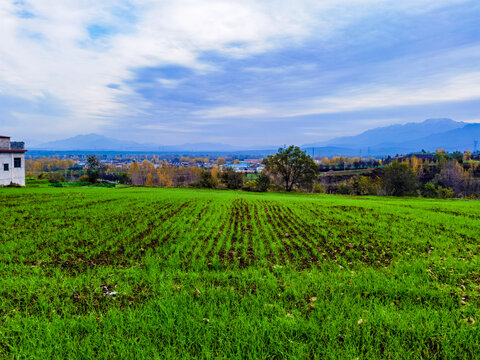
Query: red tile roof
[[12, 151], [4, 137]]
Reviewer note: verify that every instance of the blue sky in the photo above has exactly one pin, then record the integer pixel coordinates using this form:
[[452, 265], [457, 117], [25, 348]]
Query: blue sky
[[238, 72]]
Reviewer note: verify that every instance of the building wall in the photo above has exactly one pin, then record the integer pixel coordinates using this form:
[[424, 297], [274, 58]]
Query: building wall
[[13, 175], [5, 143]]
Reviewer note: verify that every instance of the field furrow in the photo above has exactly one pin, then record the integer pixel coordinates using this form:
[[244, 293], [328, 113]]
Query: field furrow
[[241, 273]]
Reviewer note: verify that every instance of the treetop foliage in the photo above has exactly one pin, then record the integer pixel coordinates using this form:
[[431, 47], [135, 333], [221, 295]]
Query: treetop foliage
[[293, 166], [400, 179]]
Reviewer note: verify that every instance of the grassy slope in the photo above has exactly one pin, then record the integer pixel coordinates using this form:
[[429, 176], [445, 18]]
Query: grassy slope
[[229, 274]]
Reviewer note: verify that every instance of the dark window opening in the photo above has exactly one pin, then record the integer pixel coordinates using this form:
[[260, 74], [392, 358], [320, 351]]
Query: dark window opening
[[17, 162], [5, 167]]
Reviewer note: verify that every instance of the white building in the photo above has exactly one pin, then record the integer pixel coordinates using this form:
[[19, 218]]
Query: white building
[[12, 162]]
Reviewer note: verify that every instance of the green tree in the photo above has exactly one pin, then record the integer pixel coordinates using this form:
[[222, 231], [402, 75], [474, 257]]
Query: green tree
[[441, 156], [263, 182], [457, 155], [206, 180], [232, 179], [94, 168], [293, 166], [344, 189], [399, 179], [429, 190]]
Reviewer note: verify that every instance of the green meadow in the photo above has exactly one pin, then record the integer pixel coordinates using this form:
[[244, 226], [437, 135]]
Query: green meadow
[[133, 273]]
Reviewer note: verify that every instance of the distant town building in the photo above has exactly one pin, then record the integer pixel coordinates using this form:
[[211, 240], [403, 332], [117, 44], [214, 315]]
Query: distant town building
[[12, 162]]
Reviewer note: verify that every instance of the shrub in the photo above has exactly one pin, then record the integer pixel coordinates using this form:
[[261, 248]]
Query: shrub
[[445, 193], [84, 178], [344, 189], [276, 188], [206, 181], [232, 179], [399, 179], [263, 183], [250, 185], [319, 188], [429, 190], [123, 178], [365, 185]]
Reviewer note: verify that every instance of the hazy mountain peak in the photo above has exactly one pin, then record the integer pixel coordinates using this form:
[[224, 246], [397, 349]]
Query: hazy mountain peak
[[89, 142], [430, 135], [398, 138], [97, 142], [432, 121], [397, 133]]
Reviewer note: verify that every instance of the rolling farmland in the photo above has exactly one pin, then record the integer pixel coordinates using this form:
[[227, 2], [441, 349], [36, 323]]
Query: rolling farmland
[[169, 273]]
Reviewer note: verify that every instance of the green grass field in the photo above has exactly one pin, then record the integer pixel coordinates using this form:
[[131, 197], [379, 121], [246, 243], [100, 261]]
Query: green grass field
[[172, 273]]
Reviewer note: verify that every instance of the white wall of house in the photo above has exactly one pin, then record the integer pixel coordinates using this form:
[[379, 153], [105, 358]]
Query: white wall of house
[[14, 174]]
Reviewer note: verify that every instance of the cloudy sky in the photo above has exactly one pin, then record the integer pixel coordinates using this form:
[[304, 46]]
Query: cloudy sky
[[242, 72]]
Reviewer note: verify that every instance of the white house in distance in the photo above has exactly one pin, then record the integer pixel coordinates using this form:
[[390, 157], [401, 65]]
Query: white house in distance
[[12, 162]]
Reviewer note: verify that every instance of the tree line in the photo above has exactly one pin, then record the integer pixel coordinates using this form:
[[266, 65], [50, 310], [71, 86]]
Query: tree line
[[290, 169]]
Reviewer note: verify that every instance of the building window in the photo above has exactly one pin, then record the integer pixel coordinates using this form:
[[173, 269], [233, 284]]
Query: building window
[[17, 162], [5, 167]]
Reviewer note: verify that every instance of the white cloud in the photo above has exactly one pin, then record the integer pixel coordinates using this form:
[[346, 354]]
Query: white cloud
[[52, 55], [462, 87], [169, 83], [169, 128], [456, 88], [229, 111]]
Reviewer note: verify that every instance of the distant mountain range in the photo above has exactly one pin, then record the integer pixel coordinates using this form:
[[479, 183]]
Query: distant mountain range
[[95, 142], [395, 133], [90, 142], [428, 135]]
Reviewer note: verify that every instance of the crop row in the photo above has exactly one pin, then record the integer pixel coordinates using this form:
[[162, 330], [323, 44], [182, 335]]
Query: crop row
[[77, 230]]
